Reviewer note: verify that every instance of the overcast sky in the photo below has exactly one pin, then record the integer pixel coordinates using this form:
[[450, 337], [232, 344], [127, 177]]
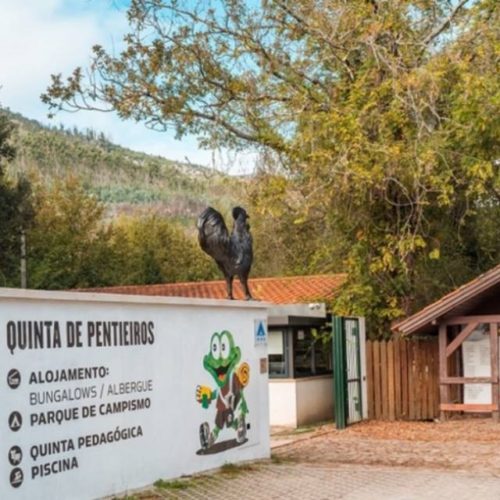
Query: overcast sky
[[41, 37]]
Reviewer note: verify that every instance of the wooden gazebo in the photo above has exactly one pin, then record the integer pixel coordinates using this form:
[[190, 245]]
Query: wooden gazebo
[[474, 308]]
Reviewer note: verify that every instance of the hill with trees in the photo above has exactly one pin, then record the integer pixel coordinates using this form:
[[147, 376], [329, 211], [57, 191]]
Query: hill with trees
[[126, 181], [86, 212]]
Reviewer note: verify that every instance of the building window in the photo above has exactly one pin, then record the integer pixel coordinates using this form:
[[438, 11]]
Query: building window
[[299, 352], [276, 345], [322, 354], [302, 353], [311, 353]]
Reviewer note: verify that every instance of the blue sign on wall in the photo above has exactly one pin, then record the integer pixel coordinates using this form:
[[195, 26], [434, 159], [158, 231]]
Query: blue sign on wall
[[260, 331]]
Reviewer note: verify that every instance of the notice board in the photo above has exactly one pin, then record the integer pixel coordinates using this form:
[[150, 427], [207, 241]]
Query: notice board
[[477, 363]]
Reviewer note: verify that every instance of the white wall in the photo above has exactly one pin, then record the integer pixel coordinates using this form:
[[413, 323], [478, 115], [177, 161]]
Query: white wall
[[302, 401], [171, 365], [282, 402], [314, 399]]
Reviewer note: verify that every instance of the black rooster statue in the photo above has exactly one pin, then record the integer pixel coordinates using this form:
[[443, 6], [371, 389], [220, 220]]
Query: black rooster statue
[[232, 252]]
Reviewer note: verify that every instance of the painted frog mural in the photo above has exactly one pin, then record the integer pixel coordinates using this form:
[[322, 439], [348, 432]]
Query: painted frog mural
[[231, 379]]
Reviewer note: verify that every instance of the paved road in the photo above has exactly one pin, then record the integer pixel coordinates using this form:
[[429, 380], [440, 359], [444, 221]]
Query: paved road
[[349, 482], [327, 464]]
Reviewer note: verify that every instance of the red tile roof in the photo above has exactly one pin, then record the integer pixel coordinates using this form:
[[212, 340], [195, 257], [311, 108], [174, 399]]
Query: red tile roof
[[459, 299], [289, 290]]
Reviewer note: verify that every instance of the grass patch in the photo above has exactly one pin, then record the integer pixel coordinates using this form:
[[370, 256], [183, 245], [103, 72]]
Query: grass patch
[[230, 469], [176, 484]]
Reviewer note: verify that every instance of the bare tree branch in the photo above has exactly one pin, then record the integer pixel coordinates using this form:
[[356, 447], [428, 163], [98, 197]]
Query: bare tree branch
[[444, 24]]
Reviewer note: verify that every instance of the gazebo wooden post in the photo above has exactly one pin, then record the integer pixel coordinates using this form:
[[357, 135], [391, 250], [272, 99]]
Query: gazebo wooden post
[[494, 369], [444, 390]]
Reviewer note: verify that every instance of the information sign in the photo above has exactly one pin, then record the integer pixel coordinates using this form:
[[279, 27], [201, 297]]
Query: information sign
[[102, 395]]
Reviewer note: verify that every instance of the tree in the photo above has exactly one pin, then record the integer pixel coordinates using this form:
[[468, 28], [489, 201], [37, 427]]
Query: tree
[[16, 211], [68, 245], [380, 118], [72, 244], [150, 249]]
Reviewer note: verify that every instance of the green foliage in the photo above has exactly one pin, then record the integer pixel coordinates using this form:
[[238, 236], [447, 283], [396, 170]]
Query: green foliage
[[16, 211], [175, 484], [68, 245], [7, 150], [287, 239], [233, 470], [72, 246], [150, 249]]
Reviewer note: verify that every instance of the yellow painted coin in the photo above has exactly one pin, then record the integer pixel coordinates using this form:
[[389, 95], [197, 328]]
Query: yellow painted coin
[[243, 374]]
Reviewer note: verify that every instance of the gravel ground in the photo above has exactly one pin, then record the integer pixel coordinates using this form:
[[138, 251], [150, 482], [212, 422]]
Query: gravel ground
[[468, 444]]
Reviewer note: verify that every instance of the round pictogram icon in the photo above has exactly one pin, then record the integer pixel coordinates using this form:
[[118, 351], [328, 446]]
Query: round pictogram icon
[[13, 378], [15, 455], [16, 477], [15, 421]]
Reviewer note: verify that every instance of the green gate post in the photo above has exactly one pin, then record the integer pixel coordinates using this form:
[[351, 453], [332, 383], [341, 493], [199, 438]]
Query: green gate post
[[339, 372]]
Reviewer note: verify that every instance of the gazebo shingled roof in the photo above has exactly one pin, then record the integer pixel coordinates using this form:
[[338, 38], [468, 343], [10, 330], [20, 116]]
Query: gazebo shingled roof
[[459, 301]]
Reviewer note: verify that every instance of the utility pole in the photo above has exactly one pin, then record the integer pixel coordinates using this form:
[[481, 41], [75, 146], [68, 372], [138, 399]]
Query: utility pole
[[24, 280]]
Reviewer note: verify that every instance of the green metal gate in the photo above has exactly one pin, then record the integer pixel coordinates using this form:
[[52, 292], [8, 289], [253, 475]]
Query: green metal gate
[[347, 371]]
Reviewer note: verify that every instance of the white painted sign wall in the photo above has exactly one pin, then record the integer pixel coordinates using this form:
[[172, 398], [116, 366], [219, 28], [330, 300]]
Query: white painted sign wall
[[107, 390]]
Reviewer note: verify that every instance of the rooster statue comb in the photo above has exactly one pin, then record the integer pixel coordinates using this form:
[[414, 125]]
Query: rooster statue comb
[[232, 252]]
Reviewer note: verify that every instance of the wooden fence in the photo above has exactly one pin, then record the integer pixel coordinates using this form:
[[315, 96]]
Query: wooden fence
[[403, 379]]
